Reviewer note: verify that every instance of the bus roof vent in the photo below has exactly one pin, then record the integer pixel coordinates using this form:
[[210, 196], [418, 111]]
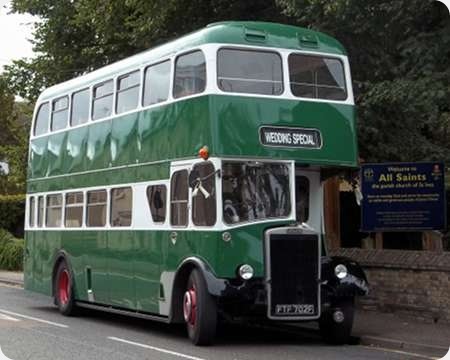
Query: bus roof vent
[[308, 40], [253, 35]]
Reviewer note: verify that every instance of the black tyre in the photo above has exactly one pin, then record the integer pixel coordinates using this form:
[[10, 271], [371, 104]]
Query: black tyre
[[334, 332], [199, 310], [64, 295]]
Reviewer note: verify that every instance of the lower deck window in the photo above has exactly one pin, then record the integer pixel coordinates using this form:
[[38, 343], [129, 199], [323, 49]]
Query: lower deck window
[[179, 198], [31, 212], [204, 199], [156, 196], [302, 198], [96, 208], [74, 209], [255, 191], [121, 206], [53, 211], [40, 214]]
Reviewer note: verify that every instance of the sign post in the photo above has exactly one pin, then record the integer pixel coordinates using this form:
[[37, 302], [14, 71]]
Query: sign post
[[403, 197]]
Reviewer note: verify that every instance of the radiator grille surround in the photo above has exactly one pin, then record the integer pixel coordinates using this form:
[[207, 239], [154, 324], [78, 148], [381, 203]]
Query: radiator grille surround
[[292, 261]]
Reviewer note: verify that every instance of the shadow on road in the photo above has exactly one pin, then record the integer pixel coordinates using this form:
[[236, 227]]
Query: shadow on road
[[229, 334]]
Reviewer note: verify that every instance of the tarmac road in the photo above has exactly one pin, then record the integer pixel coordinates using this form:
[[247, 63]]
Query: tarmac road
[[31, 328]]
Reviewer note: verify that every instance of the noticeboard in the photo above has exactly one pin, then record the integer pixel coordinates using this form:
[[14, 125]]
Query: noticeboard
[[403, 197]]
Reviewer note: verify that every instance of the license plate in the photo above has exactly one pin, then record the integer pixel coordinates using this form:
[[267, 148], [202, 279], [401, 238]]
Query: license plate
[[294, 309]]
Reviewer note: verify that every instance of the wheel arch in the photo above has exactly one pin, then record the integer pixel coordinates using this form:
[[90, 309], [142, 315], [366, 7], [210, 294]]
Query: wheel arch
[[214, 285]]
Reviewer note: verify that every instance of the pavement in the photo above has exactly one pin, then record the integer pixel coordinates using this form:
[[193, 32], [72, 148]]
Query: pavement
[[371, 328]]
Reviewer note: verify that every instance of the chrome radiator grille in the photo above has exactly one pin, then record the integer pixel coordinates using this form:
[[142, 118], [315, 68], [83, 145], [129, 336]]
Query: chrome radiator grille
[[292, 266]]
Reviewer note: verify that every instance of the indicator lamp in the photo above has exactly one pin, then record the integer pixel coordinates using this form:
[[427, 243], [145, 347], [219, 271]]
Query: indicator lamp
[[204, 153]]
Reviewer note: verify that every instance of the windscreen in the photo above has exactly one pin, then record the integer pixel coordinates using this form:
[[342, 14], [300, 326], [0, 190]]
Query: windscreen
[[317, 77], [255, 191], [249, 71]]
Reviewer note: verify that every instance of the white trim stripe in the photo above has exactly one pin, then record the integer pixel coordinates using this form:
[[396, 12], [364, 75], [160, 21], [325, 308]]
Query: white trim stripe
[[33, 318]]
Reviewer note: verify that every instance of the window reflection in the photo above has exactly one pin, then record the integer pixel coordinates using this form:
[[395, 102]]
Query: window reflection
[[255, 191]]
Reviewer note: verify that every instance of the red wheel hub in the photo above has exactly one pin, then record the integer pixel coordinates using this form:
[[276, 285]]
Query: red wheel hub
[[64, 287], [190, 306]]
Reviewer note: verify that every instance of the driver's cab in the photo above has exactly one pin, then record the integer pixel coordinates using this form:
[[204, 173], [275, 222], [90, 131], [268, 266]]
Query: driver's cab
[[224, 193]]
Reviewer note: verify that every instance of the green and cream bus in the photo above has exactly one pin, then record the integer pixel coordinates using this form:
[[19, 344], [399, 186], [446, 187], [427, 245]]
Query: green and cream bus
[[185, 184]]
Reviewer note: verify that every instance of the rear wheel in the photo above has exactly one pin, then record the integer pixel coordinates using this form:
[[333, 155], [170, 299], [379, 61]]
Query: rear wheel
[[336, 324], [199, 310], [64, 296]]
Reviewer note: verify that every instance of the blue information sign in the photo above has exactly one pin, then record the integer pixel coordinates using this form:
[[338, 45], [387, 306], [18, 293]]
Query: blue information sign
[[403, 196]]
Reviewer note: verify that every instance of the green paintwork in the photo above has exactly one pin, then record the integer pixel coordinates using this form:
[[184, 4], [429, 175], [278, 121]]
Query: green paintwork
[[126, 264], [227, 124]]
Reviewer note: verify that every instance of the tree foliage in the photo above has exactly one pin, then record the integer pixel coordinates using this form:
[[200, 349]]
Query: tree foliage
[[399, 52], [14, 127], [400, 56]]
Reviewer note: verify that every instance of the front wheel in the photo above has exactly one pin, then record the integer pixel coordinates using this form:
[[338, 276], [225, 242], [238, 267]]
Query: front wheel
[[336, 324], [64, 296], [199, 310]]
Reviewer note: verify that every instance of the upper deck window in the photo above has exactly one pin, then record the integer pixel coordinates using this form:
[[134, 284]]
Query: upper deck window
[[249, 71], [80, 107], [317, 77], [60, 112], [190, 74], [41, 122], [157, 83], [128, 92], [103, 100]]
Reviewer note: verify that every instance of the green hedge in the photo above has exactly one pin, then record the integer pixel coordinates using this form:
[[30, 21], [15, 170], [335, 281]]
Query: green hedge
[[12, 213], [11, 251]]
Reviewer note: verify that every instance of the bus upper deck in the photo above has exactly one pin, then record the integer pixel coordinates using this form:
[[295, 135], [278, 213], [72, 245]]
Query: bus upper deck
[[241, 88]]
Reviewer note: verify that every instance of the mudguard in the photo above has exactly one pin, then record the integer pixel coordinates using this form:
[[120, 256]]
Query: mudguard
[[354, 284]]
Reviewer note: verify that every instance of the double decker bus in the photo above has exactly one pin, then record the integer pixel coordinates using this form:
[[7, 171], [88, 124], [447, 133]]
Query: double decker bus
[[185, 184]]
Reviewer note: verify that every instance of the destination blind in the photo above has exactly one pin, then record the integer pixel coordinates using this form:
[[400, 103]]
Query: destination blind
[[290, 137]]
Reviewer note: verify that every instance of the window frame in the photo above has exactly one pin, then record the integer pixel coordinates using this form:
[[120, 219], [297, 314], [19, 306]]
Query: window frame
[[213, 195], [186, 171], [164, 200], [31, 211], [93, 98], [37, 116], [88, 89], [324, 56], [48, 206], [40, 216], [76, 205], [144, 74], [118, 91], [175, 60], [252, 49], [110, 205], [67, 108], [87, 205]]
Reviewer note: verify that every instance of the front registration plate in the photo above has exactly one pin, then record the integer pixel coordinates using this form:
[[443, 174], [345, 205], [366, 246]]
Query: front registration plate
[[294, 309]]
